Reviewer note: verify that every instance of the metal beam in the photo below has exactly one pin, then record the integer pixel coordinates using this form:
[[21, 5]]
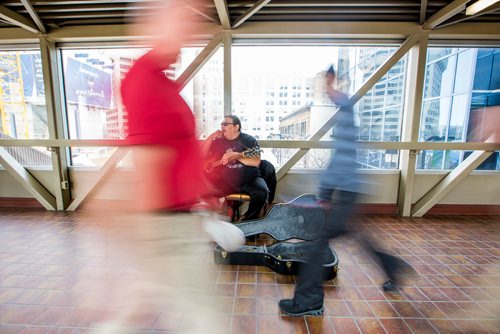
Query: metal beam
[[227, 74], [223, 12], [199, 12], [411, 123], [444, 14], [34, 16], [395, 30], [17, 19], [449, 183], [27, 180], [254, 9], [265, 30], [423, 11], [382, 70], [390, 145], [17, 35], [199, 61], [102, 174], [463, 18], [56, 120], [379, 73]]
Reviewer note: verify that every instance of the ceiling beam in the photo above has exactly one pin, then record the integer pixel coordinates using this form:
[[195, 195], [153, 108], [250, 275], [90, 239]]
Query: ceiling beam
[[324, 30], [223, 12], [17, 35], [254, 9], [17, 19], [445, 13], [111, 32], [199, 12], [34, 16], [423, 11], [492, 9]]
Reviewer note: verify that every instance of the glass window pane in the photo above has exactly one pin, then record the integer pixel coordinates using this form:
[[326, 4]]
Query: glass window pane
[[439, 78], [430, 159], [464, 73], [92, 91], [23, 111], [455, 114], [93, 103], [22, 96], [459, 111], [434, 121], [205, 92], [277, 99]]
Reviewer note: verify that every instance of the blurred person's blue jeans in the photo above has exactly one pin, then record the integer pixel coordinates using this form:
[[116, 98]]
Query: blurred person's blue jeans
[[309, 288]]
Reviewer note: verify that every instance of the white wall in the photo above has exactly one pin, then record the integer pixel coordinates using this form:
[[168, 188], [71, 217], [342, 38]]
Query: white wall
[[479, 188]]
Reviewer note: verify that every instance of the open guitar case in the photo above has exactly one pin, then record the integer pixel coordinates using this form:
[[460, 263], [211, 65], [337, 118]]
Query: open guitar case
[[302, 220]]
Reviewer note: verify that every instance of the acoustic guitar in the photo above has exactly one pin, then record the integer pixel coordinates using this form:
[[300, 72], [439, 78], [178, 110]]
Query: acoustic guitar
[[211, 164]]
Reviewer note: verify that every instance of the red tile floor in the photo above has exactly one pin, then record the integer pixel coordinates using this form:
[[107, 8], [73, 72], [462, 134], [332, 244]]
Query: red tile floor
[[56, 277]]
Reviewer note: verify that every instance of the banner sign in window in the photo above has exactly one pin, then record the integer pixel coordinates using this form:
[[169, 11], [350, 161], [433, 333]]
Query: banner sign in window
[[87, 85]]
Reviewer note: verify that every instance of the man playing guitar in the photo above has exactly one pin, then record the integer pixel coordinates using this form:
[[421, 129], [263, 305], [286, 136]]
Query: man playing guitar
[[233, 165]]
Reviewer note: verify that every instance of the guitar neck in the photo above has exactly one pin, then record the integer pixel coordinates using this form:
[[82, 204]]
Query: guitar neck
[[245, 160]]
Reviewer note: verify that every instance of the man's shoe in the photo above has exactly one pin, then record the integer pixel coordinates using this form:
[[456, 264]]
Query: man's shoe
[[390, 286], [291, 308]]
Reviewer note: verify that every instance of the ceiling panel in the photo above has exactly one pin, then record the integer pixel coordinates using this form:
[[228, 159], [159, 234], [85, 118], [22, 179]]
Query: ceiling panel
[[60, 13]]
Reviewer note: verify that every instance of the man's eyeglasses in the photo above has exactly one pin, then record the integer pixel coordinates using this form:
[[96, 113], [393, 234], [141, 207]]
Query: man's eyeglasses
[[225, 123]]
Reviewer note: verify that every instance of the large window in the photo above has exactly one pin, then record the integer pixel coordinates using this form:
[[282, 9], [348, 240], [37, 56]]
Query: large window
[[459, 83], [92, 80], [23, 113], [279, 94]]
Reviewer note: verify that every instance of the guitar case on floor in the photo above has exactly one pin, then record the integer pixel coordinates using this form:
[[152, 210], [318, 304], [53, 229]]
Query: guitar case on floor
[[302, 220]]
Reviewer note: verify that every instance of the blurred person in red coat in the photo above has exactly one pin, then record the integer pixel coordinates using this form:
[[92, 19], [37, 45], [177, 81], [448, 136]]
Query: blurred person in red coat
[[167, 245]]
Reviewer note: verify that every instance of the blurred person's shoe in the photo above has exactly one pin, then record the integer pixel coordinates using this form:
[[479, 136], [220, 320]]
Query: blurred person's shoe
[[395, 268], [226, 235], [291, 308], [390, 286]]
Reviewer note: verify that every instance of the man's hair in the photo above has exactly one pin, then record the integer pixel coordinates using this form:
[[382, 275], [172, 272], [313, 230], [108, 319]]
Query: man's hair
[[236, 120], [330, 70]]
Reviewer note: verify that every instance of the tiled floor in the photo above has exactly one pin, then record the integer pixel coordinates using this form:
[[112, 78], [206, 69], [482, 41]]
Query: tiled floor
[[56, 277]]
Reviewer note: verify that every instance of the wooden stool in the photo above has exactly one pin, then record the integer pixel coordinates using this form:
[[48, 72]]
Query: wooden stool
[[235, 201]]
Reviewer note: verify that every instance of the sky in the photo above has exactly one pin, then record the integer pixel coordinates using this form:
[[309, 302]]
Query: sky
[[277, 61]]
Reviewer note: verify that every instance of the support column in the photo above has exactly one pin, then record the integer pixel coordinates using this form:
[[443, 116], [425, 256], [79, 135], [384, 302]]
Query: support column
[[56, 119], [228, 40], [417, 59]]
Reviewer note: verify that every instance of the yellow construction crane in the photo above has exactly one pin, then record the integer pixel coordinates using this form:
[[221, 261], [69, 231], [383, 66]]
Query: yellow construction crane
[[12, 92]]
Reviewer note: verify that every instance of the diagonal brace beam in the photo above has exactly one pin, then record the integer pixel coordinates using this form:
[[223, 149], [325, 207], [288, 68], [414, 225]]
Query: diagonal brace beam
[[102, 174], [223, 12], [17, 19], [444, 14], [34, 16], [246, 15], [449, 182], [27, 180], [488, 10], [199, 61], [375, 77]]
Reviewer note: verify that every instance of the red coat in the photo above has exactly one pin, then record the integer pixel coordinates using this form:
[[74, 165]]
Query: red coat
[[158, 115]]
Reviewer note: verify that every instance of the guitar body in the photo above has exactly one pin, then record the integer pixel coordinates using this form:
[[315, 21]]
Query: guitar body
[[300, 219], [213, 167]]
